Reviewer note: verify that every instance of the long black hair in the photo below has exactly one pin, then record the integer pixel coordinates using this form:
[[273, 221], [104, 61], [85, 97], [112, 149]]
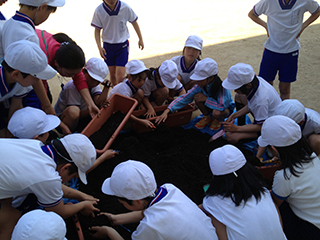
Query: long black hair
[[248, 183], [69, 55], [62, 156], [293, 156], [216, 87]]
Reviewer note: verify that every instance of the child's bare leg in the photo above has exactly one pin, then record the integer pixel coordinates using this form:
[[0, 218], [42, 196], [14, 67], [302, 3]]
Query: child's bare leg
[[235, 137], [160, 95], [139, 96], [112, 73], [284, 88], [9, 216], [70, 117], [203, 108], [120, 74]]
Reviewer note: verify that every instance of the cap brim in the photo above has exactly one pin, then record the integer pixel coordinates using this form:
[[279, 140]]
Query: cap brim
[[196, 77], [95, 76], [106, 188], [57, 3], [52, 122], [193, 46], [169, 85], [230, 86], [82, 176], [262, 142], [46, 74]]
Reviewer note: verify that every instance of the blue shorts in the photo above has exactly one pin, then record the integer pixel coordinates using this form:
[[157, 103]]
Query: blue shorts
[[117, 54], [285, 63]]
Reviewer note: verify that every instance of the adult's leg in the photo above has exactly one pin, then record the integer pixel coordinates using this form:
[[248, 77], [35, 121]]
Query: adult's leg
[[284, 88], [112, 73], [9, 216], [120, 74]]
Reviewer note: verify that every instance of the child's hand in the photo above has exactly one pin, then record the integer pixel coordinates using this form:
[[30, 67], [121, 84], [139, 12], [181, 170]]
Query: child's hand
[[148, 124], [150, 113], [162, 118], [229, 126], [100, 231], [111, 217], [102, 53], [110, 153], [88, 208], [141, 44]]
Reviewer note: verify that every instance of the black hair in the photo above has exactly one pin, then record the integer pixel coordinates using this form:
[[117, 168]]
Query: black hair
[[254, 84], [293, 156], [69, 55], [150, 73], [198, 58], [138, 75], [147, 199], [248, 182], [9, 69], [216, 87], [62, 156]]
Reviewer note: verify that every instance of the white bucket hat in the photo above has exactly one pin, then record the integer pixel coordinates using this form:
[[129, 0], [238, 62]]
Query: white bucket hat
[[279, 131], [81, 151], [132, 180], [135, 66], [204, 69], [226, 159], [97, 69], [40, 225], [27, 57], [194, 41], [291, 108], [238, 75], [38, 3], [168, 72], [28, 122]]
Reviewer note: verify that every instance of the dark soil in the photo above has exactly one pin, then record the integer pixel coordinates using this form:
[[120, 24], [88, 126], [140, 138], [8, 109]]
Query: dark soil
[[175, 155]]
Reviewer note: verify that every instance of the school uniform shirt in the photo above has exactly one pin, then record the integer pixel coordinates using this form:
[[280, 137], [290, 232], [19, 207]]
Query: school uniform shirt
[[311, 124], [113, 22], [262, 101], [19, 27], [124, 88], [284, 22], [1, 48], [303, 192], [151, 85], [50, 47], [253, 220], [223, 101], [17, 91], [70, 96], [184, 72], [29, 167], [171, 215]]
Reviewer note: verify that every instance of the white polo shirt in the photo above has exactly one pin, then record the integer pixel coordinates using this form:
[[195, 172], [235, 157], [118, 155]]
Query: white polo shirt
[[264, 101], [284, 22], [113, 22], [303, 192], [253, 220], [171, 216], [124, 88], [184, 72], [19, 27], [26, 168], [70, 96], [312, 125]]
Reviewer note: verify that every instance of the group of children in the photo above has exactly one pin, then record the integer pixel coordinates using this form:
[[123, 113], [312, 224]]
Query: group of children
[[237, 204]]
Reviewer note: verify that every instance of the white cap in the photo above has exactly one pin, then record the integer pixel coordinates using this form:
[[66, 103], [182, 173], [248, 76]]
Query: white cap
[[238, 75], [132, 180], [81, 151], [194, 41], [204, 69], [27, 57], [97, 69], [40, 225], [28, 122], [135, 66], [168, 72], [279, 131], [226, 159], [38, 3], [291, 108]]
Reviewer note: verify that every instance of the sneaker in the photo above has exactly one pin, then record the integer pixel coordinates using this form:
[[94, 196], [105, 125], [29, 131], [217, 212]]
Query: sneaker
[[203, 122], [215, 125]]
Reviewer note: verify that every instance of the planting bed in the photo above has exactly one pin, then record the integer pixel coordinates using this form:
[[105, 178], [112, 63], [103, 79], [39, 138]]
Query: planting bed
[[175, 155]]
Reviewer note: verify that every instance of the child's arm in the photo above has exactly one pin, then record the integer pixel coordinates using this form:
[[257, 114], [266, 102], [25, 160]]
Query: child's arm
[[310, 20], [97, 37], [104, 232], [163, 117], [137, 29], [150, 110], [241, 112], [258, 20], [143, 122], [106, 155]]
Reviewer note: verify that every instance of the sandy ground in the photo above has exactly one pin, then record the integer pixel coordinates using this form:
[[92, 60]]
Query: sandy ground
[[229, 36]]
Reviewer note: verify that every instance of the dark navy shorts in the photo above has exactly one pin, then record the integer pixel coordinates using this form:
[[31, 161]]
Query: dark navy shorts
[[117, 53], [284, 63]]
